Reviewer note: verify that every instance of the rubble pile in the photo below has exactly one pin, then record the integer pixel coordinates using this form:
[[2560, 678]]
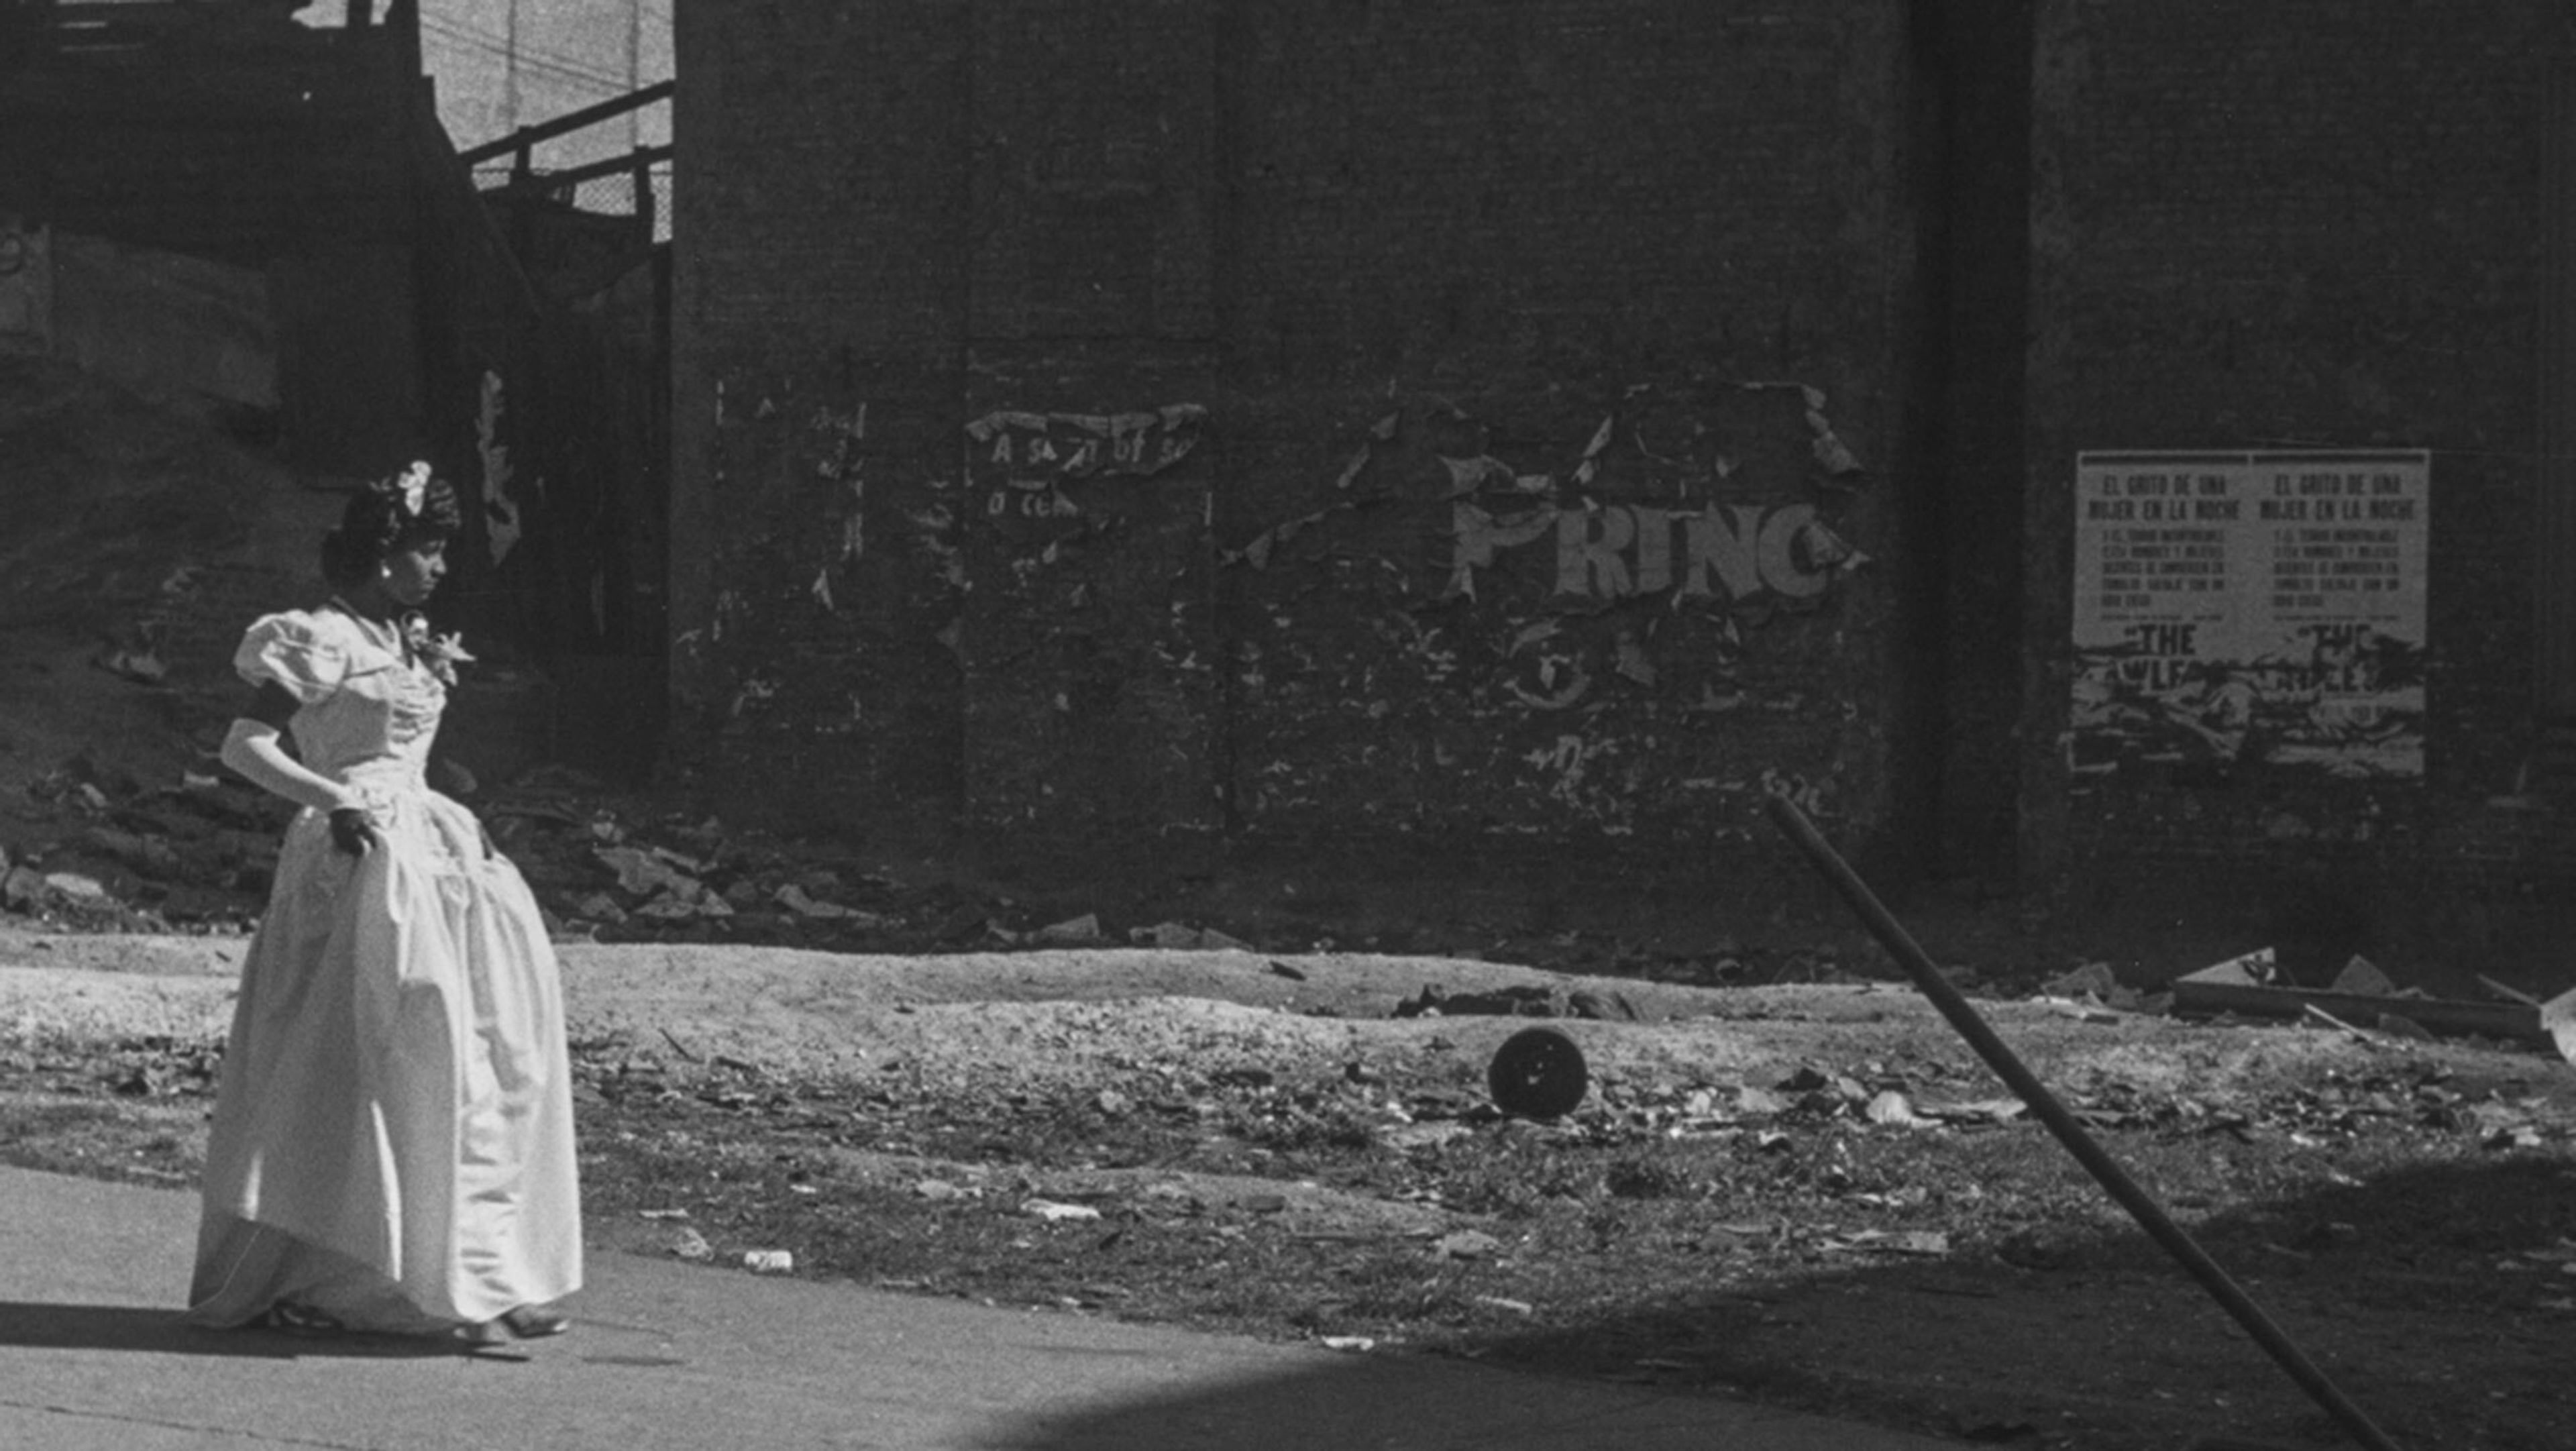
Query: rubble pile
[[611, 870], [110, 854], [101, 851]]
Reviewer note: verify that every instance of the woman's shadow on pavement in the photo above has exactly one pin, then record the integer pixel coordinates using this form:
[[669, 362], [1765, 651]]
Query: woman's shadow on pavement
[[40, 1326]]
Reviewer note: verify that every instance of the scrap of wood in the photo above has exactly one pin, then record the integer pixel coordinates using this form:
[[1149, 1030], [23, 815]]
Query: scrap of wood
[[2508, 994], [2311, 1010], [2217, 990]]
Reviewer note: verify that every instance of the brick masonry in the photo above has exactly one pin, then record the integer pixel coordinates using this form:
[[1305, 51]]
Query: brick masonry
[[1550, 366], [2312, 224]]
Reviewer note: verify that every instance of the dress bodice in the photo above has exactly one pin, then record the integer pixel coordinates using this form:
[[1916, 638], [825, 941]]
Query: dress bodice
[[369, 712]]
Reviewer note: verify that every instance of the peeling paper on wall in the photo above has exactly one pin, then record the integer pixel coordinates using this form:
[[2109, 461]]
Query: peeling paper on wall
[[1257, 552], [1570, 759], [1590, 467], [1831, 453], [1806, 795], [1382, 431], [1467, 475], [845, 466], [1562, 679], [1557, 692], [1827, 550], [1635, 663], [1351, 470], [500, 509]]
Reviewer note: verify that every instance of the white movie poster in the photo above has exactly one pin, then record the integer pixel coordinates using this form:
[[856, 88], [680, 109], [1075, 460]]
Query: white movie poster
[[2251, 608]]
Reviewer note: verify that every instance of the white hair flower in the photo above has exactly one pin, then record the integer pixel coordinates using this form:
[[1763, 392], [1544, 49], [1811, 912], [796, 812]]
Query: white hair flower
[[415, 487]]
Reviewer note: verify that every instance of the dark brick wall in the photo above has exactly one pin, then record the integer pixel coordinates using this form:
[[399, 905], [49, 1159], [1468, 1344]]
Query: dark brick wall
[[818, 377], [1603, 289], [2300, 224], [1488, 232], [1966, 529]]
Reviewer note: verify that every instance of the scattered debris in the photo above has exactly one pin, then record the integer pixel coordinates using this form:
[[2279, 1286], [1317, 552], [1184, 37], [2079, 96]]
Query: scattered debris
[[1348, 1342], [1889, 1241], [1609, 1004], [142, 666], [1079, 931], [1508, 1002], [1892, 1107], [1468, 1244], [2252, 984], [794, 898], [2401, 1026], [2093, 979], [2363, 978], [1179, 937]]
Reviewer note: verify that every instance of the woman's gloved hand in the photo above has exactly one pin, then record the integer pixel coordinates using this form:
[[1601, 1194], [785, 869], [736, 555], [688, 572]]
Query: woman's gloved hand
[[353, 830]]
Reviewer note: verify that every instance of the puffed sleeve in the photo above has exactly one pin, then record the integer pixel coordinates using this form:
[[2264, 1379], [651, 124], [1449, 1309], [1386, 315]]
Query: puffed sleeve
[[291, 650]]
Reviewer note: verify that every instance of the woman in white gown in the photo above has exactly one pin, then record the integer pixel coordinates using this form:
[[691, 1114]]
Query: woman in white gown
[[392, 1148]]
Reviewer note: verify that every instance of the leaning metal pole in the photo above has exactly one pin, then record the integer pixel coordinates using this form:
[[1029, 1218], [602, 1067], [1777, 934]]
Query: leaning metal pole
[[2159, 1226]]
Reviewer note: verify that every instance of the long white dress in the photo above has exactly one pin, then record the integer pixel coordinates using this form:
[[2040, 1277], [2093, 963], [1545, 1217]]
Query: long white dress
[[393, 1135]]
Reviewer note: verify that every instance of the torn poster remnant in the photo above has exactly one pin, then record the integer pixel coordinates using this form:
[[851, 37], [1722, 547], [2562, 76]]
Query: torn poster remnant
[[1037, 450], [2243, 608]]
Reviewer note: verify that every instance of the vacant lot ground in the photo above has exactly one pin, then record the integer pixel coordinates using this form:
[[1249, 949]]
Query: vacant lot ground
[[1806, 1194]]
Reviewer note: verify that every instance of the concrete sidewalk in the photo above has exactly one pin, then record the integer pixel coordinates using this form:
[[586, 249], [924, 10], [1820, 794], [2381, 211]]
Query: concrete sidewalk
[[676, 1356]]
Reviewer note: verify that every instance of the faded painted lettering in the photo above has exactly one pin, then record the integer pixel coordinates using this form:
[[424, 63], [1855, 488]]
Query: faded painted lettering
[[1036, 451], [1618, 551]]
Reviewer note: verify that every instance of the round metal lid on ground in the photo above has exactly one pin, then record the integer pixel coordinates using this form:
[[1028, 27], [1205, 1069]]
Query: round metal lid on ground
[[1538, 1073]]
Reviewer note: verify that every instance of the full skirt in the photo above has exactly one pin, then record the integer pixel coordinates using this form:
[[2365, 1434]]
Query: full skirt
[[393, 1136]]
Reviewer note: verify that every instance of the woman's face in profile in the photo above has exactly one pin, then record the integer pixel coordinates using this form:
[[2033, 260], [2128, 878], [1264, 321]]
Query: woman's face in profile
[[412, 571]]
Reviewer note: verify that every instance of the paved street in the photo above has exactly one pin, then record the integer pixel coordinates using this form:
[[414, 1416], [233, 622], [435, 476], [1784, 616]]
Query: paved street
[[677, 1356]]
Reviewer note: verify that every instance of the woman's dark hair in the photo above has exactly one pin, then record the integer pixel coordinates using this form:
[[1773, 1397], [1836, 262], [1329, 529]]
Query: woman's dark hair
[[385, 516]]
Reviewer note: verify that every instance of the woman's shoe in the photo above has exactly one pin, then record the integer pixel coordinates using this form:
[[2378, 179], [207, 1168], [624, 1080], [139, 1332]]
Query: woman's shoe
[[535, 1322], [295, 1319]]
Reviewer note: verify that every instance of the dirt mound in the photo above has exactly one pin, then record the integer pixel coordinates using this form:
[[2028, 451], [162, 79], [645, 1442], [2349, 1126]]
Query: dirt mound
[[109, 495], [139, 538], [1057, 1020]]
